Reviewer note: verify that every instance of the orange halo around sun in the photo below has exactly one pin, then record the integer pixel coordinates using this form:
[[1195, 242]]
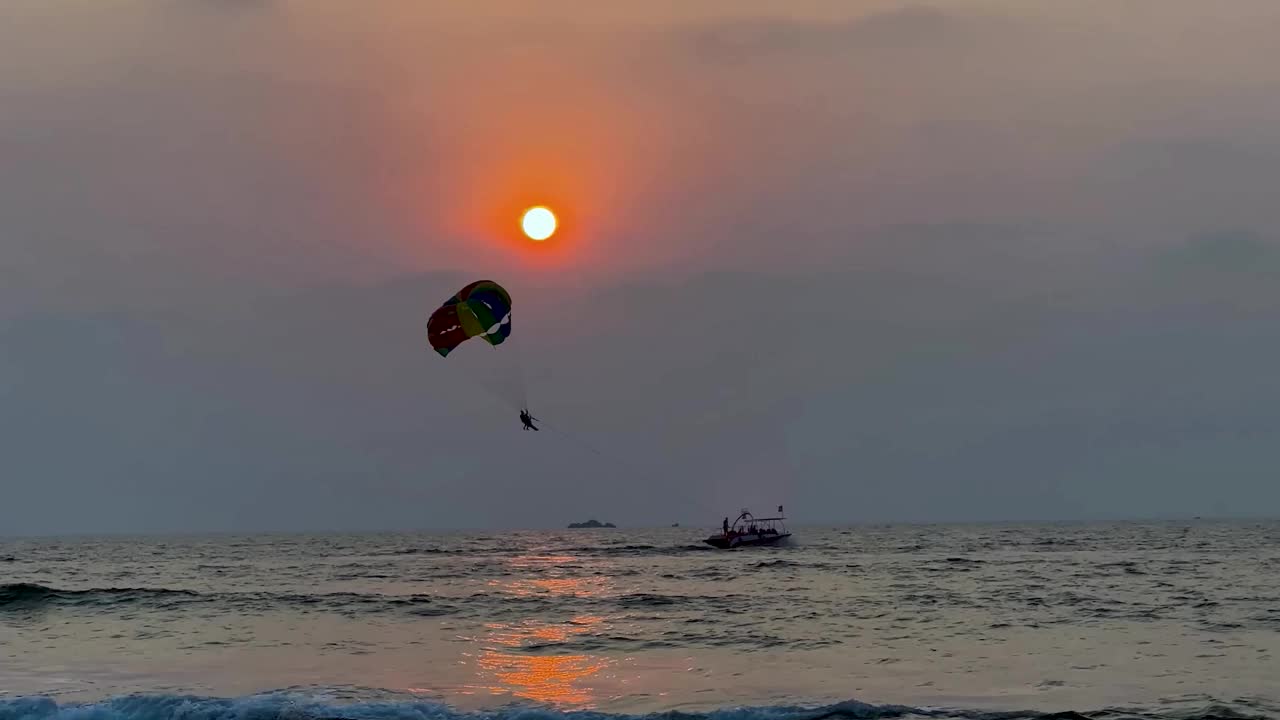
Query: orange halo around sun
[[538, 223]]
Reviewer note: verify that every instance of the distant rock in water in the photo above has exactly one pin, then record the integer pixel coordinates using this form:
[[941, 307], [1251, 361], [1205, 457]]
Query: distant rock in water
[[591, 524]]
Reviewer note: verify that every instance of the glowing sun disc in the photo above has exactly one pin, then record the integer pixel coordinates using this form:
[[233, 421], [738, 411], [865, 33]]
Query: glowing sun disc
[[538, 223]]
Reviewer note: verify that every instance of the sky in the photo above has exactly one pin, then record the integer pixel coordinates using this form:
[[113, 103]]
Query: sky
[[877, 261]]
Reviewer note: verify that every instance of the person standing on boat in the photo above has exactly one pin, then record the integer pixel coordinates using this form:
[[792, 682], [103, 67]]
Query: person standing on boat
[[726, 527]]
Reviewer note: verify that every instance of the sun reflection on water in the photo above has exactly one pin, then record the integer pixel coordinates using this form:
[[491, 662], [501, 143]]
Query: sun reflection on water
[[550, 679], [560, 586], [508, 658]]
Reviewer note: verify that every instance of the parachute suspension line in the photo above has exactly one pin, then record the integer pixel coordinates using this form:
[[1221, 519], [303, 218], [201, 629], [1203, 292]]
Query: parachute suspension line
[[522, 389], [576, 439], [635, 470], [481, 310], [496, 395]]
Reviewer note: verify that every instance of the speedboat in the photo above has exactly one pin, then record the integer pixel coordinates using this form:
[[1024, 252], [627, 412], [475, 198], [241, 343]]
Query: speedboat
[[750, 530]]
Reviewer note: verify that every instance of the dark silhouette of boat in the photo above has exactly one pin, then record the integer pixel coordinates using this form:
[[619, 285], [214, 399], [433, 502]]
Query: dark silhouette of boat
[[750, 530]]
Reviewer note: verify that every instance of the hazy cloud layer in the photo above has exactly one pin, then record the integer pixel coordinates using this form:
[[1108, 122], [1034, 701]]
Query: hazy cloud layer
[[971, 260]]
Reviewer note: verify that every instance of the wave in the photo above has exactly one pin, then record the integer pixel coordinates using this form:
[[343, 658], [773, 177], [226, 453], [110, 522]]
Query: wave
[[29, 603], [639, 549], [290, 705], [584, 550], [30, 594], [31, 598]]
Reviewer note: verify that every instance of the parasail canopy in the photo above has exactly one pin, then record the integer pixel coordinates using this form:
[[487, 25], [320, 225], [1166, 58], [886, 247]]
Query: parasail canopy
[[481, 309]]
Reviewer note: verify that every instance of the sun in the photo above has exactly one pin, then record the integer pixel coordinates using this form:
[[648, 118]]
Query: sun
[[538, 223]]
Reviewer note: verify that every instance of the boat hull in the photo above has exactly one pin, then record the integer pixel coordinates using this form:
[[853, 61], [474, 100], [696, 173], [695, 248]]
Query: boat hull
[[724, 543]]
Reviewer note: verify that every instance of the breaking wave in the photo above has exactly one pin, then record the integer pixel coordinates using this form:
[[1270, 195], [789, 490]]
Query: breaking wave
[[334, 706]]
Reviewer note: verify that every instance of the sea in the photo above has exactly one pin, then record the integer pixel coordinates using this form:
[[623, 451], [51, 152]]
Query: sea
[[1177, 620]]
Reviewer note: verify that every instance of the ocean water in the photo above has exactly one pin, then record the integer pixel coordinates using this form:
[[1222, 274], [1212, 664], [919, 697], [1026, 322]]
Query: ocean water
[[1168, 620]]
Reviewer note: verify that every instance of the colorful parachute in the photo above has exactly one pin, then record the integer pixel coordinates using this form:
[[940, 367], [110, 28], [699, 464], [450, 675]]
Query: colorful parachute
[[482, 308]]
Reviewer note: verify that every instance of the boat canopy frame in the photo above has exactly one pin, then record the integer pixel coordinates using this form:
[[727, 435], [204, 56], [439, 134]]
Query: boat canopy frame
[[746, 520]]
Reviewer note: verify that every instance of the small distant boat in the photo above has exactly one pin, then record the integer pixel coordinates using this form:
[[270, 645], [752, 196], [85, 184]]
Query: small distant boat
[[750, 530]]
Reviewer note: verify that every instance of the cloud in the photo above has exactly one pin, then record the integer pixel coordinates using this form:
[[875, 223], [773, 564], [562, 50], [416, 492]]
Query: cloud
[[939, 262], [1194, 183], [1231, 252], [739, 39], [958, 364]]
